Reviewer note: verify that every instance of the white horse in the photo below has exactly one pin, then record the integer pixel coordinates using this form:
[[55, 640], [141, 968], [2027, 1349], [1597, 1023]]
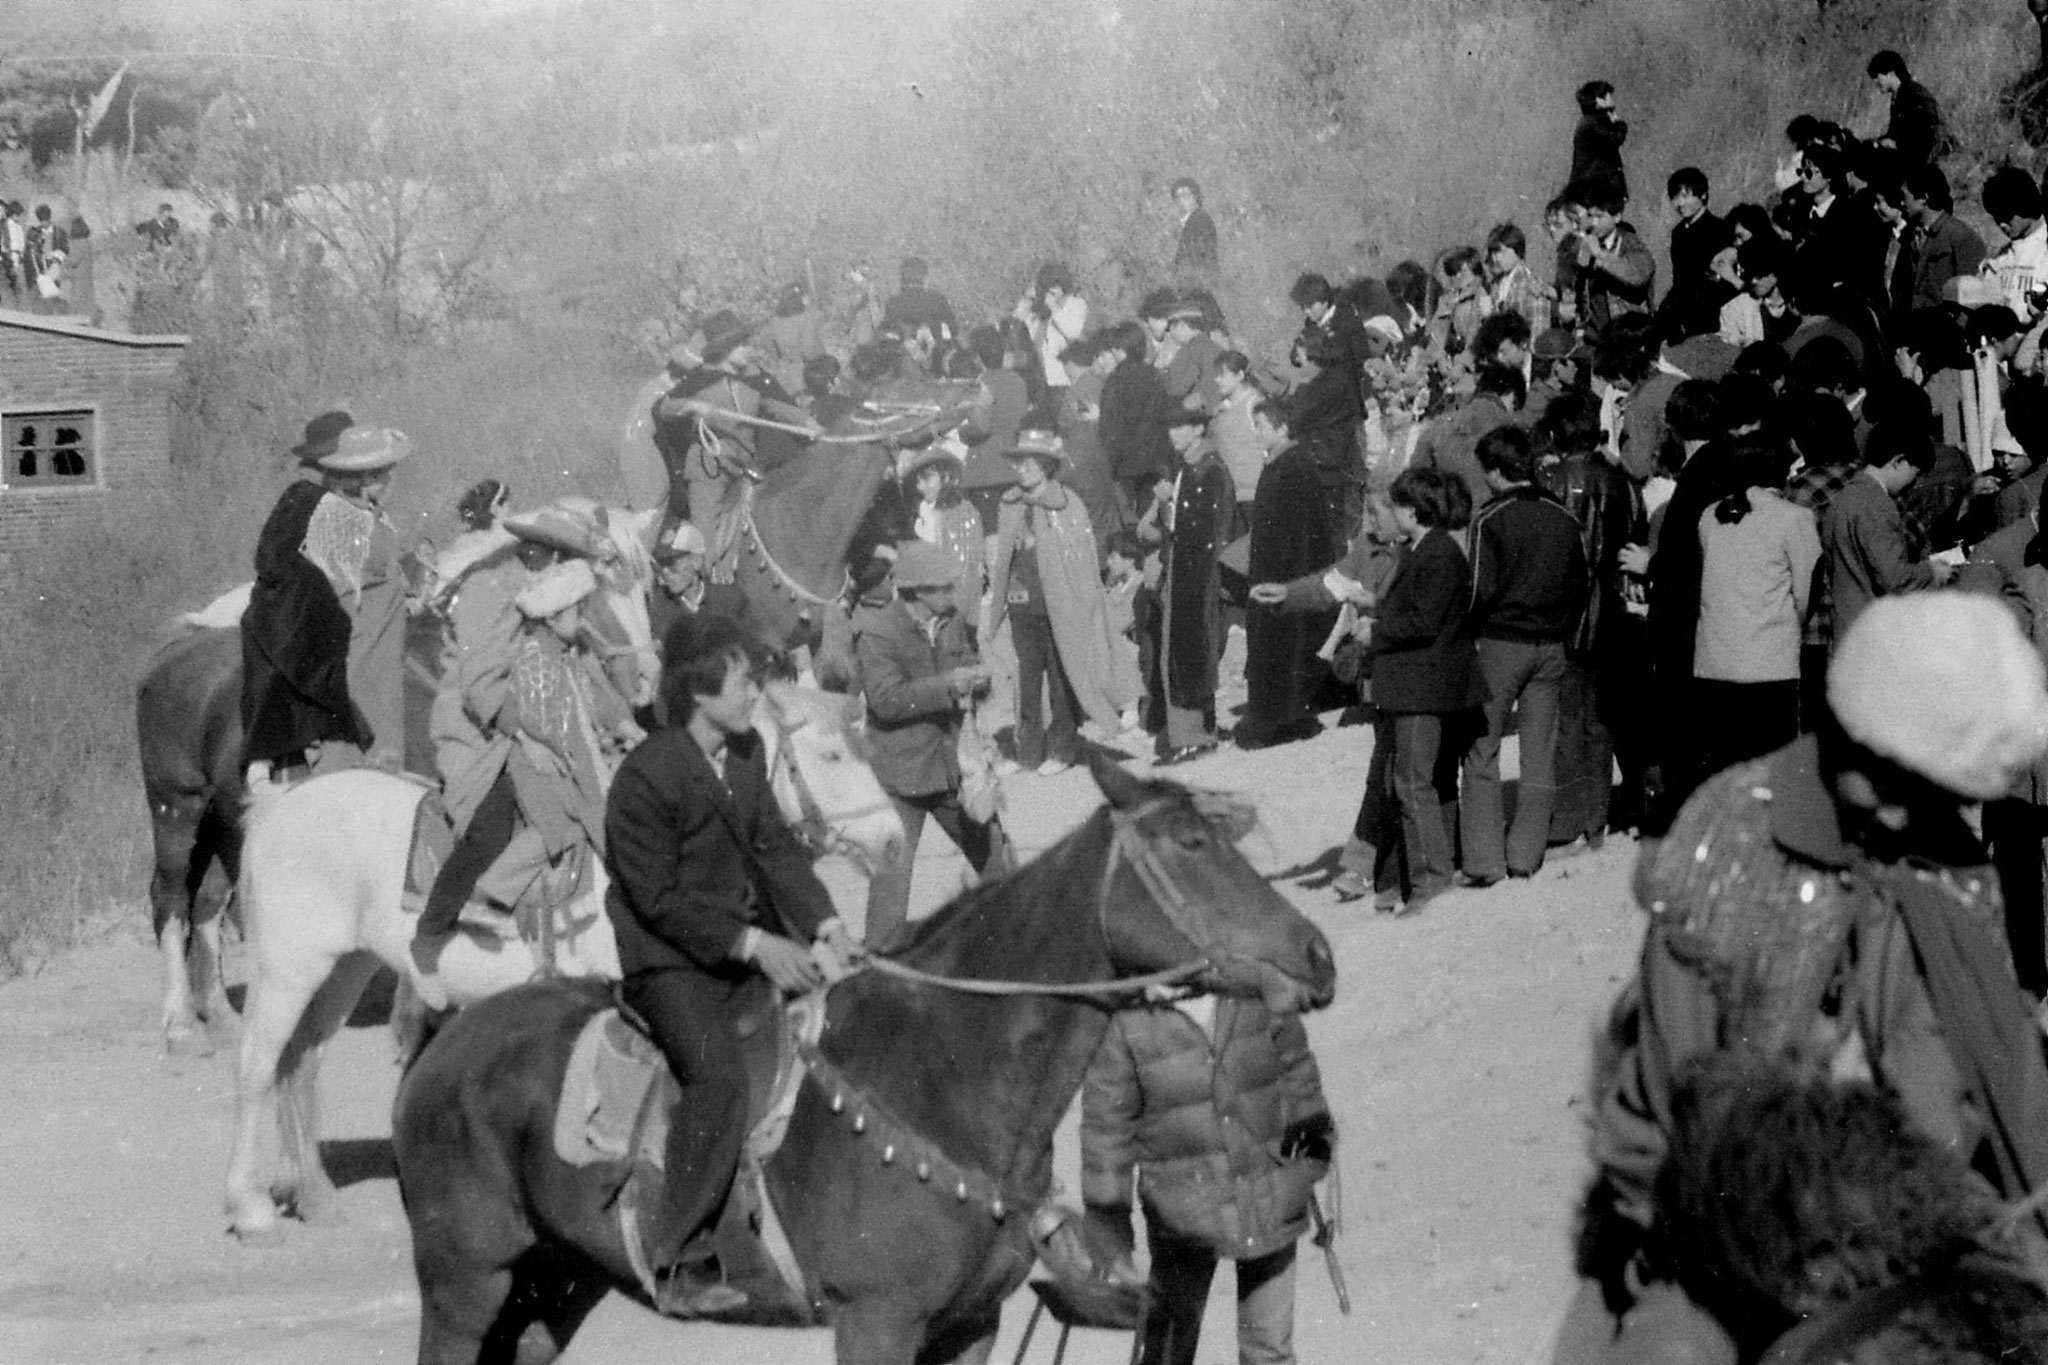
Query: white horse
[[323, 870]]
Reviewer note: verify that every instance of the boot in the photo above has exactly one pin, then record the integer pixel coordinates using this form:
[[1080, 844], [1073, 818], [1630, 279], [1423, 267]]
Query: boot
[[695, 1289]]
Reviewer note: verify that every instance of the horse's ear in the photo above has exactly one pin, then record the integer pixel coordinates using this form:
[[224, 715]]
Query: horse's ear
[[1121, 789]]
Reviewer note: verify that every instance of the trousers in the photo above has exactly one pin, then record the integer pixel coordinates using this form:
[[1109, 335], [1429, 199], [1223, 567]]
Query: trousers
[[985, 846], [1039, 671], [1181, 1271], [488, 834], [1522, 680], [689, 1014]]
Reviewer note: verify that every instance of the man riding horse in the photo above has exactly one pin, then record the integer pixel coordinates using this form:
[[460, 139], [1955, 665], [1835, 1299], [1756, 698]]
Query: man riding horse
[[323, 639], [710, 431], [708, 888]]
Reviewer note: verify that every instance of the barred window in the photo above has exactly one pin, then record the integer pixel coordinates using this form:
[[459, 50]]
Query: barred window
[[49, 450]]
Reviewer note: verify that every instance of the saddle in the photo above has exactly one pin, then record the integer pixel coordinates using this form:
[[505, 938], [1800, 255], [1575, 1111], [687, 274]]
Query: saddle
[[614, 1106]]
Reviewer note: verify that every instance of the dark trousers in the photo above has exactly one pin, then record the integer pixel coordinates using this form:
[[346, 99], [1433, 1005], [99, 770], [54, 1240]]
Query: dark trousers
[[985, 847], [1737, 721], [1411, 801], [1585, 755], [488, 834], [1181, 1271], [1522, 680], [2014, 829], [689, 1015], [1039, 668]]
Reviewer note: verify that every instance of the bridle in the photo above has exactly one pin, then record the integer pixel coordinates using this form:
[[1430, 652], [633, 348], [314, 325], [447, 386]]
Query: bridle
[[1128, 847], [816, 828]]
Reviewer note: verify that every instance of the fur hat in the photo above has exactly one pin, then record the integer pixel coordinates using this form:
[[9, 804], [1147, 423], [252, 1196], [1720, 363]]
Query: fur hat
[[920, 564], [1944, 684], [364, 450], [556, 588]]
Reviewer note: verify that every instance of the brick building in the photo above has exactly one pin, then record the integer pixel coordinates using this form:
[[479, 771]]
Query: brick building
[[85, 417]]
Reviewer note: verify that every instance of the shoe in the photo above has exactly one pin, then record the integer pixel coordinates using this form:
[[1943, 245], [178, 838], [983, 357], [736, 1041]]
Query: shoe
[[426, 961], [687, 1291], [1187, 753], [1008, 767], [1418, 901], [1053, 767], [1350, 886], [1472, 883]]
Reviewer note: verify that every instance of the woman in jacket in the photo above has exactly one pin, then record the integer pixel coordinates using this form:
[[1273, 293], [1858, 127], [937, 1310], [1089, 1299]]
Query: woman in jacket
[[1424, 673], [945, 518]]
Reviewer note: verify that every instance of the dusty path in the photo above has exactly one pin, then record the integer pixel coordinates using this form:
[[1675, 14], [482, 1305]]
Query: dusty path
[[1454, 1057]]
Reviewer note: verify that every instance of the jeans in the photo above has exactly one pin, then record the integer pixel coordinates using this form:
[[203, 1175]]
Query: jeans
[[986, 847], [1181, 1271], [1038, 667], [1522, 679], [1411, 803]]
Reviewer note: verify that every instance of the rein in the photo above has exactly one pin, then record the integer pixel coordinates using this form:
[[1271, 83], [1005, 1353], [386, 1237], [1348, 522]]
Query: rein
[[1129, 844]]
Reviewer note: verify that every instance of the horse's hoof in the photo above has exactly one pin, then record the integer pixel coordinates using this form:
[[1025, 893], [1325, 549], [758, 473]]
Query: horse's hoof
[[189, 1042], [269, 1236], [255, 1224], [318, 1206], [224, 1029]]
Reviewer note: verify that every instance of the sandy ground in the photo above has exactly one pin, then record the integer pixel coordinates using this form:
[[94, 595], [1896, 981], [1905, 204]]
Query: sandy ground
[[1454, 1058]]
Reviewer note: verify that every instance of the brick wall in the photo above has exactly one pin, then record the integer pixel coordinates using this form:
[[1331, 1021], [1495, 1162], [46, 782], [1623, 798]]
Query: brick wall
[[49, 362]]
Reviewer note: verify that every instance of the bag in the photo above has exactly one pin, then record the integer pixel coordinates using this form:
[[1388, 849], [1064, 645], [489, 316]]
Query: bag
[[1351, 661], [981, 788]]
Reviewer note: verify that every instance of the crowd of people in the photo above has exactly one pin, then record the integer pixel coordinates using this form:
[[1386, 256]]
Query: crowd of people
[[1689, 533]]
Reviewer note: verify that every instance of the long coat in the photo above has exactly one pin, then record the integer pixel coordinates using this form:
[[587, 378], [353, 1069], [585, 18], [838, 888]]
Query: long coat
[[1198, 1116], [1069, 570], [1290, 537], [1203, 506], [1423, 658]]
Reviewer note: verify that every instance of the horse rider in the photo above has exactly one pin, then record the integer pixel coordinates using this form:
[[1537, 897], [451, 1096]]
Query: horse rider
[[709, 890], [918, 671], [708, 428], [679, 582], [323, 640], [544, 810], [1831, 906]]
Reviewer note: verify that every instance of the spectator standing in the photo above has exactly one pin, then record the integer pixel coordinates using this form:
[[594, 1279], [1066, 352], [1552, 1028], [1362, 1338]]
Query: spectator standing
[[946, 519], [1047, 581], [1451, 441], [1693, 305], [1236, 440], [915, 305], [1529, 586], [790, 339], [1057, 317], [80, 289], [1135, 412], [991, 427], [918, 673], [1204, 502], [2014, 202], [1194, 252], [1080, 419], [1944, 247], [1596, 142], [1511, 285], [14, 254], [1290, 537], [1187, 357], [1326, 408], [1216, 1108], [1864, 533], [1616, 273], [1913, 131], [1758, 553], [159, 233]]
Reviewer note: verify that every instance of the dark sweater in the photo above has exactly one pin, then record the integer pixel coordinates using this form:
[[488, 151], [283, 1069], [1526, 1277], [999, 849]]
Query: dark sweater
[[1422, 656], [1135, 410], [1529, 577]]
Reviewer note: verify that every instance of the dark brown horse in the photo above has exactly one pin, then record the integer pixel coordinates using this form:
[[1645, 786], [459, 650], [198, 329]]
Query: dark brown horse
[[513, 1248]]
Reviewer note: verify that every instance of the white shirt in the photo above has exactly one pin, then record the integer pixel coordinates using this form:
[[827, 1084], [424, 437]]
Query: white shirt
[[1066, 324], [2021, 267]]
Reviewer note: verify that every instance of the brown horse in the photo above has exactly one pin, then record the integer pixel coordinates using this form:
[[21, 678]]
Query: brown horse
[[513, 1248]]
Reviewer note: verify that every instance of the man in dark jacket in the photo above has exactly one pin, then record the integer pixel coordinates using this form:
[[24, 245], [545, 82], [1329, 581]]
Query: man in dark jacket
[[1327, 407], [1135, 412], [1616, 272], [1914, 128], [1291, 536], [709, 887], [1596, 142], [917, 672], [1529, 584], [1944, 246], [1869, 553], [1204, 500], [1693, 305], [1217, 1109]]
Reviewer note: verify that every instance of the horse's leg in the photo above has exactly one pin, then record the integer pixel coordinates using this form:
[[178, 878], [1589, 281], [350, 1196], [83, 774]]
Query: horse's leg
[[303, 1182], [548, 1303], [876, 1332], [278, 995], [458, 1307], [979, 1338], [171, 896], [208, 967]]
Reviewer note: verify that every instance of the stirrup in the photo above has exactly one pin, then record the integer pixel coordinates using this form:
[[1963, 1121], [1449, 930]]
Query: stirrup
[[679, 1292]]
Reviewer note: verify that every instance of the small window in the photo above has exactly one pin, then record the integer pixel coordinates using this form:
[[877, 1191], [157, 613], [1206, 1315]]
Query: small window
[[49, 450]]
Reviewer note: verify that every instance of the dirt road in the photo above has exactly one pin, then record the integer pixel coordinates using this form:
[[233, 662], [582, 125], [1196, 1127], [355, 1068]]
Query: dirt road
[[1454, 1058]]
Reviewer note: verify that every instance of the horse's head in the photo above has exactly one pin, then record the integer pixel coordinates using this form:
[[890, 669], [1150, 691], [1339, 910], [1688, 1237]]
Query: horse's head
[[1189, 895], [818, 769]]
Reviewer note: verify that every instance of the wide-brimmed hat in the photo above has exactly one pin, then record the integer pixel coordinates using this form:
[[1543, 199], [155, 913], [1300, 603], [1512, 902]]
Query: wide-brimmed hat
[[1043, 445], [723, 330], [556, 588], [1183, 310], [364, 450], [1380, 325], [558, 529], [935, 453], [1944, 684], [321, 434], [920, 564]]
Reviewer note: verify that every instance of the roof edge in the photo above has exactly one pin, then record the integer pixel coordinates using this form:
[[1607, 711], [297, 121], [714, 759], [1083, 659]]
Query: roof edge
[[63, 326]]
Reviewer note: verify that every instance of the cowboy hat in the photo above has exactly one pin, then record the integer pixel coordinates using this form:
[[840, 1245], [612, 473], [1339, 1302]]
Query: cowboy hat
[[1040, 444], [935, 453], [321, 434], [364, 450], [556, 528]]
